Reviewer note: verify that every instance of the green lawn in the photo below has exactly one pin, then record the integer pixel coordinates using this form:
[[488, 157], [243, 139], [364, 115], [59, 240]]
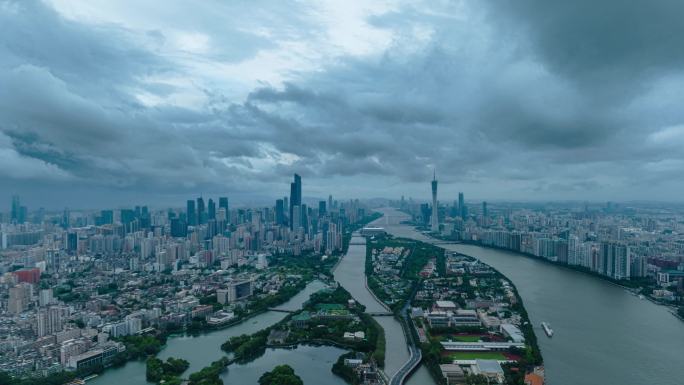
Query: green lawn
[[477, 355]]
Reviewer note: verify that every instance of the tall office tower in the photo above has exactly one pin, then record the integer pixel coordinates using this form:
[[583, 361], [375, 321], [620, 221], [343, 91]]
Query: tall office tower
[[16, 209], [211, 208], [295, 217], [434, 219], [330, 201], [295, 197], [461, 206], [72, 242], [107, 217], [179, 229], [201, 211], [280, 212], [484, 209], [321, 208], [66, 218], [221, 215], [223, 203], [190, 213], [304, 218]]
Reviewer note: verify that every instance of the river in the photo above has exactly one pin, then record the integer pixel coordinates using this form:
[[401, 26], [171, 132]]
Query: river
[[201, 350], [603, 334], [350, 274]]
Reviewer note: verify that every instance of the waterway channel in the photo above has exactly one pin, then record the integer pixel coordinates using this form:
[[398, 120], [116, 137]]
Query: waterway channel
[[350, 273], [308, 362]]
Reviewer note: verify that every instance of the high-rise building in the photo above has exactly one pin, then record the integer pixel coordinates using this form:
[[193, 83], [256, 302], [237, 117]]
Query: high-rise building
[[434, 218], [107, 217], [304, 219], [19, 298], [191, 213], [201, 211], [179, 229], [461, 206], [223, 203], [49, 321], [280, 212], [66, 218], [321, 208], [72, 242], [295, 199], [615, 260], [296, 217], [45, 297], [16, 209], [211, 208]]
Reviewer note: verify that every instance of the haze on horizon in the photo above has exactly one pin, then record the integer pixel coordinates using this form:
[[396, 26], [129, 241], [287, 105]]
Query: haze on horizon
[[108, 102]]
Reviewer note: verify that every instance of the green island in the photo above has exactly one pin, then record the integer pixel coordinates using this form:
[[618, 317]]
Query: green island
[[329, 317], [281, 375], [466, 317], [159, 371]]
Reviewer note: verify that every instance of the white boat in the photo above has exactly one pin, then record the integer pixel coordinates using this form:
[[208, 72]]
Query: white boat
[[547, 329]]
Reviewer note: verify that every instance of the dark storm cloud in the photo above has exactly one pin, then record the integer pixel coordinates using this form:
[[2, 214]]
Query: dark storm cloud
[[545, 99], [620, 42]]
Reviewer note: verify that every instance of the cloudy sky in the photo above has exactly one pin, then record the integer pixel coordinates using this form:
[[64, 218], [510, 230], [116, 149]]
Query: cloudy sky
[[115, 102]]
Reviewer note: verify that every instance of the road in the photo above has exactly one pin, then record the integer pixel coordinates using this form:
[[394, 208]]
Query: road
[[415, 354]]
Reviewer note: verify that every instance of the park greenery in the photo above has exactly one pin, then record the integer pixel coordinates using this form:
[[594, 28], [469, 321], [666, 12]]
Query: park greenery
[[210, 374], [344, 371], [327, 331], [280, 375], [158, 370]]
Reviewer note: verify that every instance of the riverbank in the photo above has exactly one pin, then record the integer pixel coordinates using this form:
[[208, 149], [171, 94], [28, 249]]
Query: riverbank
[[628, 285], [351, 275]]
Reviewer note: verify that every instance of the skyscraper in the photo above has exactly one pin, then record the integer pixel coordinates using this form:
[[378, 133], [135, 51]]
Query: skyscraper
[[201, 211], [321, 208], [211, 208], [434, 218], [191, 214], [295, 199], [16, 209], [461, 206], [223, 203], [280, 212]]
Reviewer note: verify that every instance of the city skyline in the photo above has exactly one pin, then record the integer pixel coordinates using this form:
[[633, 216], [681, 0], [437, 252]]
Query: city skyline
[[124, 104]]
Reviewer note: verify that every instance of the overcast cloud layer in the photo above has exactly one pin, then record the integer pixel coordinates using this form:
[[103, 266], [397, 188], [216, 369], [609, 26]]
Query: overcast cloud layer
[[108, 102]]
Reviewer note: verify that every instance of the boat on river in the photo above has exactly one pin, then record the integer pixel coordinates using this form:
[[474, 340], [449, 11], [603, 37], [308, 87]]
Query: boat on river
[[547, 329]]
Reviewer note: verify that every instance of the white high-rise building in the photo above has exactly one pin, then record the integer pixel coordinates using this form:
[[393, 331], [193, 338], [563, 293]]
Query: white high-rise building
[[45, 297]]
